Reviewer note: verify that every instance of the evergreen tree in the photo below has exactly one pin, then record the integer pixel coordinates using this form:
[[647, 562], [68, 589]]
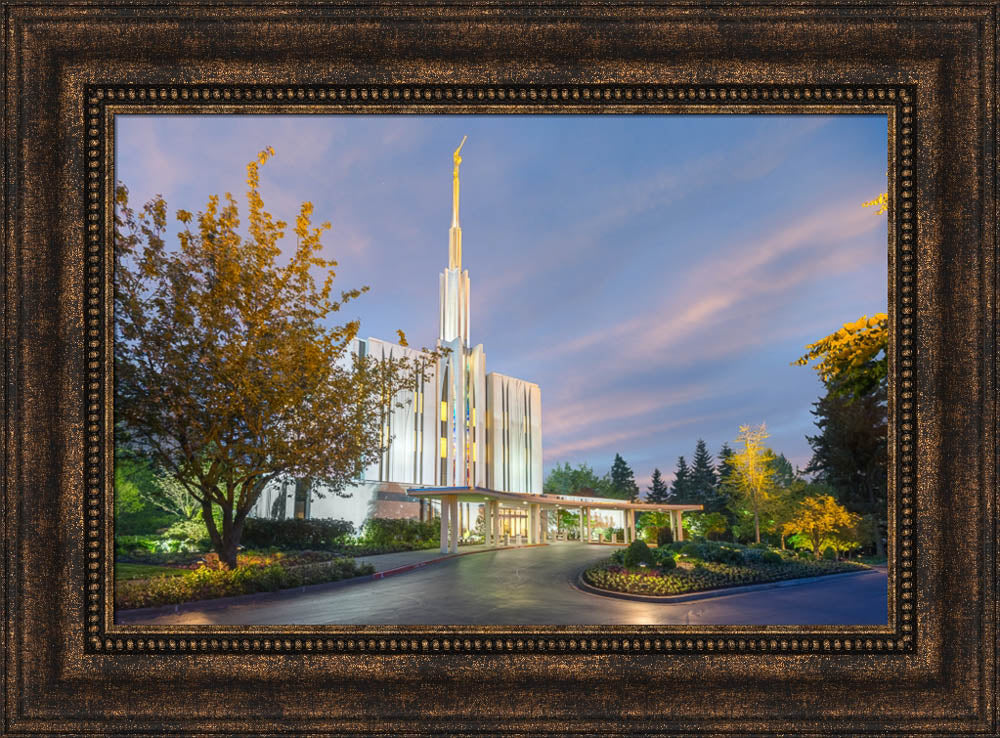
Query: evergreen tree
[[850, 453], [724, 488], [623, 480], [658, 492], [703, 479], [784, 473], [680, 491]]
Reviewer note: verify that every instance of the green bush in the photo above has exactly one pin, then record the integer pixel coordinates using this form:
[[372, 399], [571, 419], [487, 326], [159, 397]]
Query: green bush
[[665, 558], [667, 581], [771, 557], [128, 544], [396, 532], [829, 553], [204, 583], [637, 552], [664, 536], [193, 531], [691, 549], [319, 534]]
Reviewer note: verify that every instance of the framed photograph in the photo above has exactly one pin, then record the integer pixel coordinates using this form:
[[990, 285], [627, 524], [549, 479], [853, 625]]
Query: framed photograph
[[365, 363]]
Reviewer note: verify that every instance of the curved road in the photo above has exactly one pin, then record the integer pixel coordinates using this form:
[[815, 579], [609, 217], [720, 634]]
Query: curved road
[[534, 586]]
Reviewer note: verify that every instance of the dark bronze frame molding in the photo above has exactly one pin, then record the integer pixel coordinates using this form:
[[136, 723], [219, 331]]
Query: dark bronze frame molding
[[70, 67]]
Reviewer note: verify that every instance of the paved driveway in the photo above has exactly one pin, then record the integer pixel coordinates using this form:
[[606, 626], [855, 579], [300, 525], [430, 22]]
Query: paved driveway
[[534, 586]]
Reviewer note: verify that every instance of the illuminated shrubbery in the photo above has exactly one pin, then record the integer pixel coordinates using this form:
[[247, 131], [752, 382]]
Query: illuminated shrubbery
[[207, 583], [665, 578]]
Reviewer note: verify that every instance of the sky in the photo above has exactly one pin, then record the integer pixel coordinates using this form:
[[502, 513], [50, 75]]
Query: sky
[[655, 275]]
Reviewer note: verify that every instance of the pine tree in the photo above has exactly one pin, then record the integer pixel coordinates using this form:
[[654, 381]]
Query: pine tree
[[703, 479], [623, 480], [680, 491], [658, 492]]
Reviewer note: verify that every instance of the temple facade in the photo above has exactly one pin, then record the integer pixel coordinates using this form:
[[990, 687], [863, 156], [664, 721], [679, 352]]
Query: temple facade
[[458, 427]]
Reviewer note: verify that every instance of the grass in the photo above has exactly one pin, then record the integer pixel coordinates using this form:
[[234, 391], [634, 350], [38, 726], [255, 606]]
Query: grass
[[125, 572]]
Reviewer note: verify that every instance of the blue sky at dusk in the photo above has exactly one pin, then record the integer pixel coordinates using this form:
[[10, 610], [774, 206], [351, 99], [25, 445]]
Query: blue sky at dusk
[[654, 275]]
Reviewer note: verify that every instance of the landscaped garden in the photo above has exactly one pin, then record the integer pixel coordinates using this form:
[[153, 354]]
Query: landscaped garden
[[684, 567], [176, 564]]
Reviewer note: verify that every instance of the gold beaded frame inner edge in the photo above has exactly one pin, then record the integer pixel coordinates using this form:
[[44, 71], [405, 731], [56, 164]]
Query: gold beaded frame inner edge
[[104, 102]]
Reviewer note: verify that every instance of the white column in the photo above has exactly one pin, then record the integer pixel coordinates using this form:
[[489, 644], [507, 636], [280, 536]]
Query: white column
[[495, 521], [581, 524], [487, 523], [444, 526], [678, 526], [535, 520], [455, 523]]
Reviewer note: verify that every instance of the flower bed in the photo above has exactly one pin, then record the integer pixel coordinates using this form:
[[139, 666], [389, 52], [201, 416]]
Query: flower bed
[[206, 583], [706, 575]]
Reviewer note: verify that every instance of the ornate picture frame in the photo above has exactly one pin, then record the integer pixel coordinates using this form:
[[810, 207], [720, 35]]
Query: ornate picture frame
[[69, 69]]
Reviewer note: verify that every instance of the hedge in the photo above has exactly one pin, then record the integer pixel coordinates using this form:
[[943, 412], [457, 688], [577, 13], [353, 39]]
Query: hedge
[[321, 534], [205, 584]]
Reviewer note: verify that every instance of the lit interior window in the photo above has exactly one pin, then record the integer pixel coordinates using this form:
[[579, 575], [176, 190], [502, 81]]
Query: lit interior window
[[444, 409], [444, 448]]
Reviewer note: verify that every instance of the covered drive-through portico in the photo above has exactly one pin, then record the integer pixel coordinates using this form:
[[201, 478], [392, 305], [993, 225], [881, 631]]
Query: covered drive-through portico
[[533, 512]]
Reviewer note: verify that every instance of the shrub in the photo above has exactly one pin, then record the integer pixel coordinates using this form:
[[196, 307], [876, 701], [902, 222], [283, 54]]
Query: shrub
[[691, 549], [315, 533], [637, 553], [667, 581], [665, 558], [191, 531], [129, 544], [205, 583], [829, 553], [664, 536], [393, 532], [771, 557]]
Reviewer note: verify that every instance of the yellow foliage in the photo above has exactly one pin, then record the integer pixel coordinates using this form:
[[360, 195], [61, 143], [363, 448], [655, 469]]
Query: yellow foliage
[[753, 474], [229, 371], [821, 518], [881, 202], [850, 347]]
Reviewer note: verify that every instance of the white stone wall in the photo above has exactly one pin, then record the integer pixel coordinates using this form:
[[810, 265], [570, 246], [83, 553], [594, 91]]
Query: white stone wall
[[514, 434]]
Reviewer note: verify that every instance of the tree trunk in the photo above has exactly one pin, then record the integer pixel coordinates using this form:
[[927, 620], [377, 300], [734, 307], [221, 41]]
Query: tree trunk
[[756, 520]]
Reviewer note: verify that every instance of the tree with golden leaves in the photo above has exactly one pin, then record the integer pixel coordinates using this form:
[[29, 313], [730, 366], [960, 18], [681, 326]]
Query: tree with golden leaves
[[752, 471], [228, 371], [852, 360], [822, 520]]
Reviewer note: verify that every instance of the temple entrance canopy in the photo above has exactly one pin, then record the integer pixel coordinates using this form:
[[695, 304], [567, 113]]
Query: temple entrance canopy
[[526, 518]]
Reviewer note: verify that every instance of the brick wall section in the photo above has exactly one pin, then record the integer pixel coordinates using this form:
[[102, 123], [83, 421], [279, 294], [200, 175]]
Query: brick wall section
[[396, 509]]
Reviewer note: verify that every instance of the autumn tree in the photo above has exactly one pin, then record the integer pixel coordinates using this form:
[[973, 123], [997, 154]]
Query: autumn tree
[[821, 520], [658, 491], [228, 372], [752, 472]]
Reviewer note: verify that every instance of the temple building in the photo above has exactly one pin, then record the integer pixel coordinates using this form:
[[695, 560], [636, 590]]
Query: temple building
[[459, 427], [464, 446]]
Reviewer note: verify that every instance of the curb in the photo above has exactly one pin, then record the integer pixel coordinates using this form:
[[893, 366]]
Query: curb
[[583, 586], [125, 617]]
